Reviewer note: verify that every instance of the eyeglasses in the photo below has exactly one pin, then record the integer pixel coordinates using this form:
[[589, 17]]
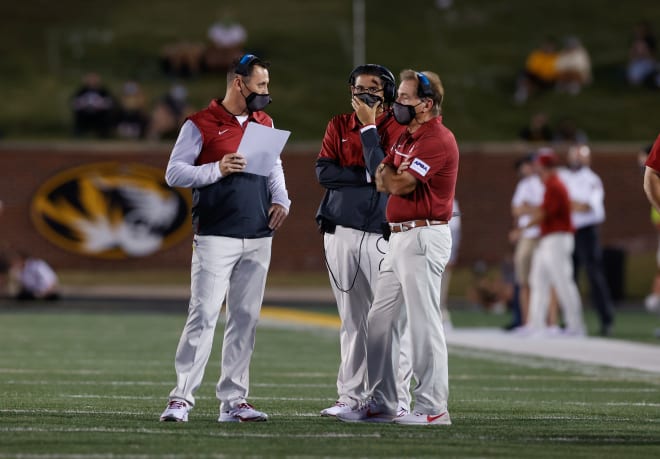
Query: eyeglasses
[[362, 89]]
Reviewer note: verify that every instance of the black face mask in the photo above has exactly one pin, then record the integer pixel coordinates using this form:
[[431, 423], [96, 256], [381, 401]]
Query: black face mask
[[369, 99], [256, 102], [404, 114]]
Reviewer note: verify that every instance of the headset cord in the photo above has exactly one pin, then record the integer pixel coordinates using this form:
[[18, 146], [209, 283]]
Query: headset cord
[[370, 214]]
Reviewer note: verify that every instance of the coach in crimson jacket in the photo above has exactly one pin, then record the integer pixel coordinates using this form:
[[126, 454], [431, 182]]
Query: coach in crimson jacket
[[352, 218]]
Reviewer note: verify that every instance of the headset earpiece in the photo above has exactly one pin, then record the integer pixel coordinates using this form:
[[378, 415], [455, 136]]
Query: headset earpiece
[[424, 88], [244, 63]]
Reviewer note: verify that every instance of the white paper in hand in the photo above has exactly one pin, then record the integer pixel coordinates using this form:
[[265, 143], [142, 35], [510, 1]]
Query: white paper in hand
[[261, 146]]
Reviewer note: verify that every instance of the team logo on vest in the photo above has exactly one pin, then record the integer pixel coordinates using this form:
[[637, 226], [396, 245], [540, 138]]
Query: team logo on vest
[[111, 210], [420, 167]]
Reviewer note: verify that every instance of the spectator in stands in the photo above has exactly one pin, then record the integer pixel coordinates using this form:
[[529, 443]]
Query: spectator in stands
[[226, 40], [643, 67], [568, 132], [35, 278], [644, 31], [540, 72], [169, 113], [94, 108], [573, 67], [538, 129], [182, 59], [133, 119]]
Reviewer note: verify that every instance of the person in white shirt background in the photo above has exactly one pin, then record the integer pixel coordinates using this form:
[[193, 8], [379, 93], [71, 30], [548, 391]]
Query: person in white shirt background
[[528, 195], [588, 213]]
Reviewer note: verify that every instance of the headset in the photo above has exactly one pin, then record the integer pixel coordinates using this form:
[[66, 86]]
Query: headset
[[424, 88], [389, 83], [244, 64]]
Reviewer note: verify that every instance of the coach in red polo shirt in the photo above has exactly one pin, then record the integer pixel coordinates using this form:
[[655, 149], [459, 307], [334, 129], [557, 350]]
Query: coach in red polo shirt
[[652, 175], [552, 265], [419, 173]]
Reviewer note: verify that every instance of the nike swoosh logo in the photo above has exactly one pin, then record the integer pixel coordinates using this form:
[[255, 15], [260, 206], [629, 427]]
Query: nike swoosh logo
[[222, 132], [344, 140], [430, 418]]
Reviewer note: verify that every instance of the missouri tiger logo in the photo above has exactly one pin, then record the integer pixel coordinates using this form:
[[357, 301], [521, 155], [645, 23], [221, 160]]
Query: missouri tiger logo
[[111, 210]]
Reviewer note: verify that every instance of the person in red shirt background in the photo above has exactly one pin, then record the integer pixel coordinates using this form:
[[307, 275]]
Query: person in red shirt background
[[552, 265], [652, 175], [652, 190]]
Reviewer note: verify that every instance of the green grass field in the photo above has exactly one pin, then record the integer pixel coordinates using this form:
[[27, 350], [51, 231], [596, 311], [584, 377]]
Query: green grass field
[[88, 385]]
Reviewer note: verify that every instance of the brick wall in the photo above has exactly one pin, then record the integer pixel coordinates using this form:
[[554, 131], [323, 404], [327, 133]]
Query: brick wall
[[485, 186]]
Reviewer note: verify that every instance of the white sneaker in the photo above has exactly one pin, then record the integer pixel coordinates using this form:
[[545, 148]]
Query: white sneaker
[[368, 412], [553, 330], [339, 407], [574, 332], [242, 413], [402, 411], [652, 303], [176, 411], [421, 419]]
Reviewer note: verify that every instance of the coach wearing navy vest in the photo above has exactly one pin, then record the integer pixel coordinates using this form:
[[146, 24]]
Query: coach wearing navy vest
[[234, 217]]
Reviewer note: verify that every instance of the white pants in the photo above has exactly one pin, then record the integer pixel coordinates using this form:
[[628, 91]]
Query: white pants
[[354, 258], [411, 275], [552, 267], [222, 266]]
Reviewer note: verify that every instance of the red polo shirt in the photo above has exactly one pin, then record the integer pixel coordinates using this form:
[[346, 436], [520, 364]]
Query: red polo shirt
[[342, 143], [556, 208], [433, 152], [653, 161]]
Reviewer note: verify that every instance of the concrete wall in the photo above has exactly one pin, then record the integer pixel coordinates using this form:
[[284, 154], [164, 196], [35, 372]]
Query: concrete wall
[[485, 186]]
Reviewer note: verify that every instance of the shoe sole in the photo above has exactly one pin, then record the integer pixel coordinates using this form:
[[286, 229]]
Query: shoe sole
[[172, 419], [233, 419], [329, 415], [403, 422], [368, 420], [422, 423]]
